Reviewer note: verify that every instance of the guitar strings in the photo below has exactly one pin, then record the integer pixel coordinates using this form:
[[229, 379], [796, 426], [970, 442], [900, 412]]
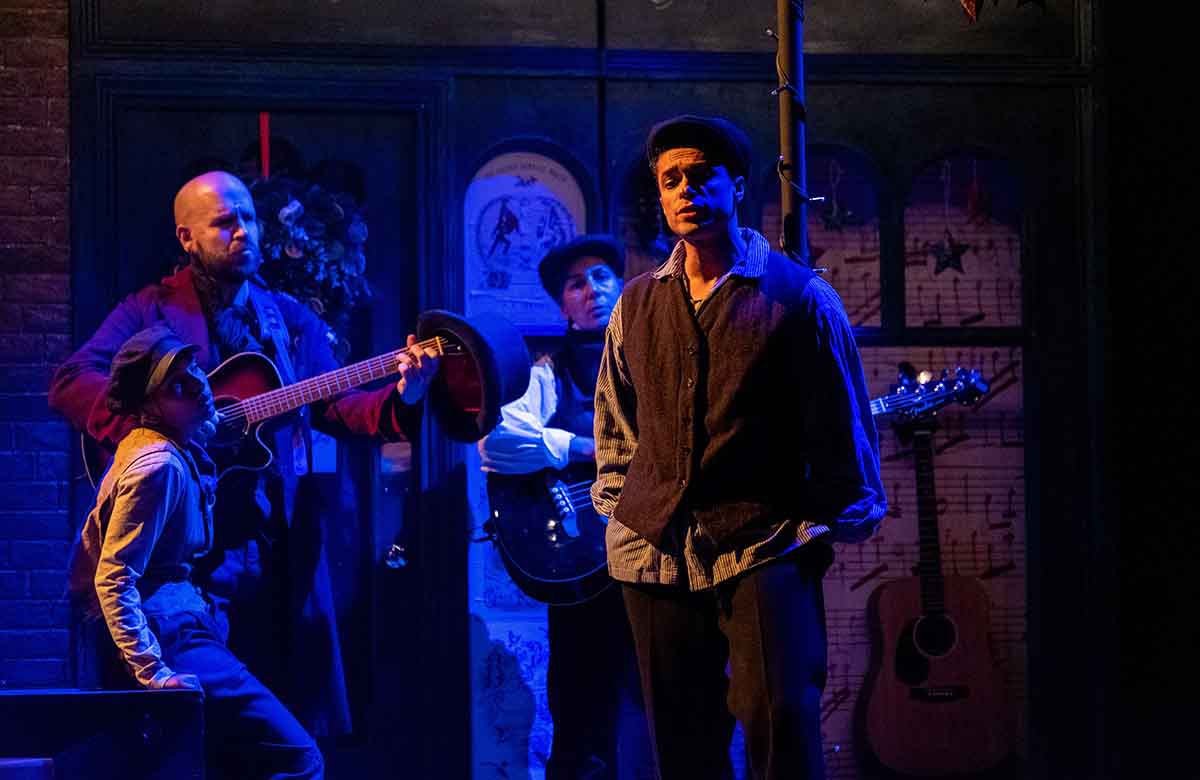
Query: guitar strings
[[578, 491], [281, 398]]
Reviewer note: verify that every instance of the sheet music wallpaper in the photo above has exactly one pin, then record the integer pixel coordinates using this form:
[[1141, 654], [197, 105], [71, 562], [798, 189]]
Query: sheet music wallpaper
[[963, 255]]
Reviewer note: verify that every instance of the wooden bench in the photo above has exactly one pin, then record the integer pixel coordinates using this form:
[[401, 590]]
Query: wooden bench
[[101, 735]]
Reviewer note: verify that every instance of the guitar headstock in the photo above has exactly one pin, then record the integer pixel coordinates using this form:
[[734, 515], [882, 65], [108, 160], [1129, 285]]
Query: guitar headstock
[[917, 396]]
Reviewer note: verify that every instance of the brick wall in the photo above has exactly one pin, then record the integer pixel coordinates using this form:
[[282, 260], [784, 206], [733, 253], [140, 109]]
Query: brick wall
[[34, 337]]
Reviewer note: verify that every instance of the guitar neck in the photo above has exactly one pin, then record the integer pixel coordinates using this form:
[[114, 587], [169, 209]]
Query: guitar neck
[[325, 386], [929, 564]]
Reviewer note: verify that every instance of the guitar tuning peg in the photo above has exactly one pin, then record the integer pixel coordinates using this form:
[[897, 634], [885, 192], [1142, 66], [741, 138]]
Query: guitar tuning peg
[[395, 557]]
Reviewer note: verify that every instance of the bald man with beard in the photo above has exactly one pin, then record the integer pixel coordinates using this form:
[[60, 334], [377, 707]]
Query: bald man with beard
[[267, 578]]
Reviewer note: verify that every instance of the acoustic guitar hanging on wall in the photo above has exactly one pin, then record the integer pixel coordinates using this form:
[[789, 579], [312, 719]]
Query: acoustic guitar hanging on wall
[[935, 701]]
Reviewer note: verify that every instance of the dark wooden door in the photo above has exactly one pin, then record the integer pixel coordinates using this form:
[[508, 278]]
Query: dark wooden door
[[143, 139]]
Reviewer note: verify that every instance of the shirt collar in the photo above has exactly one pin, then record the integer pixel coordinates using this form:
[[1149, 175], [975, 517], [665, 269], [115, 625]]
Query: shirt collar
[[752, 264]]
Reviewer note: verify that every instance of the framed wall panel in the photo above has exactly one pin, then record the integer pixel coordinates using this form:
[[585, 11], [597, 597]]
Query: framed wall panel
[[855, 27], [276, 24], [135, 140]]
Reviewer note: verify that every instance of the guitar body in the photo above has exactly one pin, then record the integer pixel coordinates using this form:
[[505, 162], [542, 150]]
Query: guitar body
[[550, 538], [239, 378], [935, 698], [249, 394], [234, 447]]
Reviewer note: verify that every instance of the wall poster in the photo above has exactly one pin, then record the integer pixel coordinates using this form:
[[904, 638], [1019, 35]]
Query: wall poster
[[518, 206]]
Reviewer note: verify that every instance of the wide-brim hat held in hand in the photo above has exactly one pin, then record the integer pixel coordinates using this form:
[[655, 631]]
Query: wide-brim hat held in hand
[[492, 370]]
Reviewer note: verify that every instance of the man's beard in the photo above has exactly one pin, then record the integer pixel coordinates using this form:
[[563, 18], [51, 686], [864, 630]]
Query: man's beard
[[222, 268], [232, 325]]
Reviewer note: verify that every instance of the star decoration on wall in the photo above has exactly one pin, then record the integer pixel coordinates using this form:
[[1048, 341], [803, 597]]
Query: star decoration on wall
[[947, 253]]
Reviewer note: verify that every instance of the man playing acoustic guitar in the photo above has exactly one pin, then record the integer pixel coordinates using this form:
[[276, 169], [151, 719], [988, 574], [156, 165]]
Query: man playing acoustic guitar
[[268, 545], [591, 680]]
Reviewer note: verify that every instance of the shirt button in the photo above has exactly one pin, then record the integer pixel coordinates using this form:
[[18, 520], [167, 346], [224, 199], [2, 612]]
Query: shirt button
[[692, 349], [691, 382], [683, 483]]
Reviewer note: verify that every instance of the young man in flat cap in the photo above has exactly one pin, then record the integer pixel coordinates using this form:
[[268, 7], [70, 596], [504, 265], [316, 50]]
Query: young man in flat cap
[[268, 571], [144, 620], [591, 680], [734, 442]]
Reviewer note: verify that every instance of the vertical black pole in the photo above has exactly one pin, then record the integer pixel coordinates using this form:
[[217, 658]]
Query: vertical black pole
[[793, 239]]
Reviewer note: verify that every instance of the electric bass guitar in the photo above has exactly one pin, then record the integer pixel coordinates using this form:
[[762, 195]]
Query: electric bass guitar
[[935, 698], [551, 539], [249, 393]]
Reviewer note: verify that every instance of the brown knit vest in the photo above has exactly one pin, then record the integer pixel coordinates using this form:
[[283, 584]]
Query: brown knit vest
[[719, 393]]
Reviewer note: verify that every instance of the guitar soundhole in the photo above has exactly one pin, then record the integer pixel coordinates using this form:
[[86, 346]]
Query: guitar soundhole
[[912, 668], [935, 635]]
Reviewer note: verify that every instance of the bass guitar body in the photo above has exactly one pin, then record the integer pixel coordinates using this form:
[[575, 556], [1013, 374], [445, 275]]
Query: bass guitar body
[[550, 538], [935, 700]]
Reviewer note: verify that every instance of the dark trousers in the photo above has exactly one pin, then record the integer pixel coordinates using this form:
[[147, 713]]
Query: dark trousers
[[768, 627], [248, 731], [595, 699]]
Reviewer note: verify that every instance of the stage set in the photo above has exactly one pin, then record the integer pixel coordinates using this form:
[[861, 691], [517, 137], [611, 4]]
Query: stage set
[[428, 581]]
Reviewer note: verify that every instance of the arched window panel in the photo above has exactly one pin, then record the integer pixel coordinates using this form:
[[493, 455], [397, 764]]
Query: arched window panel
[[979, 523], [843, 230], [523, 201], [963, 244], [526, 196]]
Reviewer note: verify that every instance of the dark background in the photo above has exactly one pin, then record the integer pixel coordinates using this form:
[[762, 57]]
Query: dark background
[[1089, 103]]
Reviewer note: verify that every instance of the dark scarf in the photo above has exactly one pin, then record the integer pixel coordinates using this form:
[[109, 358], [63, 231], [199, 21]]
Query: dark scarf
[[231, 325], [581, 353]]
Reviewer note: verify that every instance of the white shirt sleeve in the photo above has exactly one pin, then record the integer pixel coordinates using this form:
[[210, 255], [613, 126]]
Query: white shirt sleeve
[[521, 443]]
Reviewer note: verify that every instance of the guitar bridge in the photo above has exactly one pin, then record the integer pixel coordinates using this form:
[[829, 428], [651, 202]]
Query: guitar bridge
[[567, 521], [938, 693]]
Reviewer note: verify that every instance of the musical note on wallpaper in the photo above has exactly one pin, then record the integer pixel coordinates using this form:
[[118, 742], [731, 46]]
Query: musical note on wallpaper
[[845, 230]]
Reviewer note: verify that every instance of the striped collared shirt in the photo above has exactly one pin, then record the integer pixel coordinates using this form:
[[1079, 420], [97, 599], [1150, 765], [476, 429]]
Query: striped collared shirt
[[682, 559]]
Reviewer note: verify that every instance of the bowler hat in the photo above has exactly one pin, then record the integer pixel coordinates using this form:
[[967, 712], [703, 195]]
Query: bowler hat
[[553, 268], [716, 136], [141, 364], [491, 370]]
